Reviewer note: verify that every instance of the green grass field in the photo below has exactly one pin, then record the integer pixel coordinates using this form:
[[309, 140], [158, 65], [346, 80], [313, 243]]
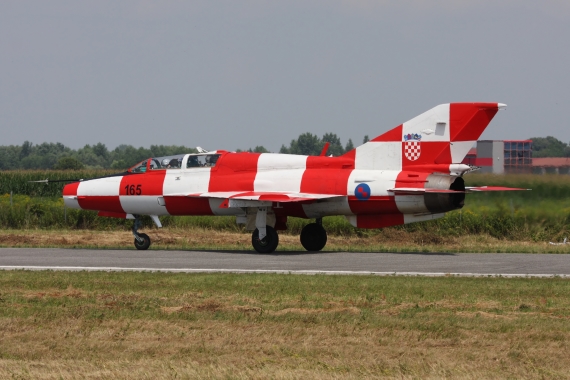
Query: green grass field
[[69, 325], [542, 214]]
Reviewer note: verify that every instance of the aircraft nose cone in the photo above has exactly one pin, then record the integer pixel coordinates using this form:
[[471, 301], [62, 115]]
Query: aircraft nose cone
[[70, 189]]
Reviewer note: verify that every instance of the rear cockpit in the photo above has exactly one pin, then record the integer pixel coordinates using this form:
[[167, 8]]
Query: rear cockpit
[[202, 160]]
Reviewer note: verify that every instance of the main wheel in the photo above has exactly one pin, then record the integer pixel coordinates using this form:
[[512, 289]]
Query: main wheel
[[268, 244], [313, 237], [144, 244]]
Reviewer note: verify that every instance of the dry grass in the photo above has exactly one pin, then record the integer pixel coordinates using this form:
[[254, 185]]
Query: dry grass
[[145, 325], [390, 240]]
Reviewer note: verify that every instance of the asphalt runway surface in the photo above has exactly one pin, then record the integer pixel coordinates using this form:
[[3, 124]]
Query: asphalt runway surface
[[428, 264]]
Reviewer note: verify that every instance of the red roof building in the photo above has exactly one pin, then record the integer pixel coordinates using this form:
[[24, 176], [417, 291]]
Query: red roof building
[[555, 165]]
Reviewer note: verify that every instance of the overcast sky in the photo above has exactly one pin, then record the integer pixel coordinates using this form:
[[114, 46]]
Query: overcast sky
[[236, 74]]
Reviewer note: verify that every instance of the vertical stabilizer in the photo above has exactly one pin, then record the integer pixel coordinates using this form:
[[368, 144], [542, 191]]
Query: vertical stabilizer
[[443, 135]]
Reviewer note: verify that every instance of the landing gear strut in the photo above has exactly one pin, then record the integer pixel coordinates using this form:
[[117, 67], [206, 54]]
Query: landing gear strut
[[267, 244], [142, 241], [314, 236], [264, 239]]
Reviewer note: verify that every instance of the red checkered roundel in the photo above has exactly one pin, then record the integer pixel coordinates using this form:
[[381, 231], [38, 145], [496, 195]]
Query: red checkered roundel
[[412, 150]]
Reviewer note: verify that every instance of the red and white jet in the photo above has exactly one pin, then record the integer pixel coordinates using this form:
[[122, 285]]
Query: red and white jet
[[409, 174]]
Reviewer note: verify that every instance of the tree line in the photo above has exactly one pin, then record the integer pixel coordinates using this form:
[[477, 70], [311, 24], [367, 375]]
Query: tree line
[[59, 156], [98, 156]]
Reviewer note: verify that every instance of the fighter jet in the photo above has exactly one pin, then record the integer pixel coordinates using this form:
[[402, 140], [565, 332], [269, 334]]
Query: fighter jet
[[409, 174]]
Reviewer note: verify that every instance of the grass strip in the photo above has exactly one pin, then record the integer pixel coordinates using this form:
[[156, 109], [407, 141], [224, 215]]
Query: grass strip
[[159, 325], [388, 240]]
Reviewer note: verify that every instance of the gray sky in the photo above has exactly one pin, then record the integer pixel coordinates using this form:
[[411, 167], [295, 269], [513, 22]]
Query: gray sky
[[236, 74]]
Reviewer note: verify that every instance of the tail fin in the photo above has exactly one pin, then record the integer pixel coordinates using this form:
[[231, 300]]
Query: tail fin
[[442, 135]]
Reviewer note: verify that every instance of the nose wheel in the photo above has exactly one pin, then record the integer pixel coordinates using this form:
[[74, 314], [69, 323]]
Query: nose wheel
[[268, 244], [142, 241]]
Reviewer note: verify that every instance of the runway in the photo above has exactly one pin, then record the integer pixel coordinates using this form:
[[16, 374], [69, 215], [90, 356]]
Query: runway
[[364, 263]]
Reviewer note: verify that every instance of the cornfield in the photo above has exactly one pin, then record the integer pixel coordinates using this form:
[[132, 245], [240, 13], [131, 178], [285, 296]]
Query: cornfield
[[18, 181]]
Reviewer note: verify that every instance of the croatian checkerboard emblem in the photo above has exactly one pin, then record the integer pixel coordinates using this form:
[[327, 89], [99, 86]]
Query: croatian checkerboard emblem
[[412, 146]]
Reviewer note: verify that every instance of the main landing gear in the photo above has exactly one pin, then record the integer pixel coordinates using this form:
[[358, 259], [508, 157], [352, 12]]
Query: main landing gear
[[264, 238], [314, 236], [142, 241]]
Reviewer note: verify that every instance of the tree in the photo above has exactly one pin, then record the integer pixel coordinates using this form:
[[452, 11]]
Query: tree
[[101, 150], [120, 165], [87, 155], [307, 144], [310, 145], [68, 163], [366, 139], [9, 157], [549, 147], [26, 149], [258, 149], [127, 156]]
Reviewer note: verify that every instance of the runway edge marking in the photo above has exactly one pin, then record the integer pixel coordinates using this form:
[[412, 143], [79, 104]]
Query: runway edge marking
[[252, 271]]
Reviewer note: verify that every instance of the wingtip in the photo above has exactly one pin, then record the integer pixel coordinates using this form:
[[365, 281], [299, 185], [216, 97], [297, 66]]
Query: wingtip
[[501, 106]]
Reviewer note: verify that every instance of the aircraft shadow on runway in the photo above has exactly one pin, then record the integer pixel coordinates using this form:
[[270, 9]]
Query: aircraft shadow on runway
[[305, 253], [276, 253]]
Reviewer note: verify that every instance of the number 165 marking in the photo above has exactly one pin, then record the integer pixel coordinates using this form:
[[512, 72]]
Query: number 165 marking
[[132, 190]]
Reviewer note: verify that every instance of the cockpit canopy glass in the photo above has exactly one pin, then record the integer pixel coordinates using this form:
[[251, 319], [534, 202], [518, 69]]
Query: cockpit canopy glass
[[158, 163], [175, 162], [202, 160]]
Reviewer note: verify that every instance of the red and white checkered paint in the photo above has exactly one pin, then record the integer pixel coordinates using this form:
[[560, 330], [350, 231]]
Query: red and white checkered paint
[[412, 150], [392, 176]]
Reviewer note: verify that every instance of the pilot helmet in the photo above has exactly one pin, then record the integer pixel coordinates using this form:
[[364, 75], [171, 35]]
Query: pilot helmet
[[165, 162]]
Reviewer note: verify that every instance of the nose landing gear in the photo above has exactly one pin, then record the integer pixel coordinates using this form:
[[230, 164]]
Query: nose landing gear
[[142, 241], [267, 244]]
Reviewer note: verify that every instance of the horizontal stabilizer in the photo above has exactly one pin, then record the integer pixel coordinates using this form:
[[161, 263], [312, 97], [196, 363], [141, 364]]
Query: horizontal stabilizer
[[416, 191], [492, 188]]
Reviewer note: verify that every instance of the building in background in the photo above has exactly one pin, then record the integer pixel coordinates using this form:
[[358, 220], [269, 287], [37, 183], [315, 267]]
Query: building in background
[[518, 156], [551, 165], [513, 156], [501, 156]]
